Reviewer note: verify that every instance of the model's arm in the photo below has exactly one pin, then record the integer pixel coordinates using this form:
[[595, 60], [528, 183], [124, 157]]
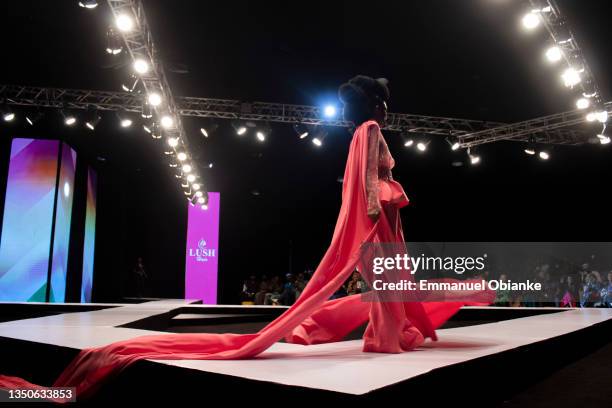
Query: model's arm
[[372, 173]]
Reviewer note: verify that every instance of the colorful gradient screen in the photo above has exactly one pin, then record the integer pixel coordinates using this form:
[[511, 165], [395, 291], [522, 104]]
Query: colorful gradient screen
[[63, 217], [202, 251], [90, 237], [27, 220]]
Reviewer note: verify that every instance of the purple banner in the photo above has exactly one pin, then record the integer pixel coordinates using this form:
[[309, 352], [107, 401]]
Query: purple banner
[[202, 251]]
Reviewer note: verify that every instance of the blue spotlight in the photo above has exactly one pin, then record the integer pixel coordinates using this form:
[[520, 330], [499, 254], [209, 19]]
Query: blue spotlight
[[329, 111]]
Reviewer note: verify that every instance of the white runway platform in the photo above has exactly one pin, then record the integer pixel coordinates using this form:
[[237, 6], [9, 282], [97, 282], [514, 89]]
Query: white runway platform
[[340, 367]]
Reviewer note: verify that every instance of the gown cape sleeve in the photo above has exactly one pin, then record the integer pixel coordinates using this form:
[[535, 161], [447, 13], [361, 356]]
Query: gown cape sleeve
[[312, 319]]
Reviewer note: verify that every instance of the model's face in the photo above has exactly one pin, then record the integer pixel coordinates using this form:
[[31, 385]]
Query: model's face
[[381, 113]]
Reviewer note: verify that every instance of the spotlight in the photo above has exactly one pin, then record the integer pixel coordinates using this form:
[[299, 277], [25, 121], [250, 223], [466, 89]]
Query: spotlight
[[147, 112], [93, 122], [7, 114], [209, 129], [554, 54], [201, 200], [261, 136], [155, 99], [32, 119], [130, 88], [141, 66], [182, 156], [329, 111], [210, 165], [124, 22], [544, 155], [582, 103], [591, 117], [422, 146], [530, 21], [173, 141], [409, 143], [300, 130], [167, 121], [454, 143], [474, 158], [88, 4], [204, 207], [241, 130], [602, 116], [317, 142], [604, 140], [124, 121], [155, 131], [198, 193], [191, 178], [113, 42], [69, 118], [195, 186], [530, 151], [186, 168], [571, 77]]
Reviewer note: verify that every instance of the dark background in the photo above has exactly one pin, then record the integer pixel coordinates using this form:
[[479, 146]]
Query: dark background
[[466, 59]]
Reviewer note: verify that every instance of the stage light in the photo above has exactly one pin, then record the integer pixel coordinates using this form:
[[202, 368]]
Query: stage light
[[474, 159], [204, 207], [124, 22], [530, 151], [198, 193], [554, 54], [210, 165], [113, 42], [191, 178], [204, 132], [530, 20], [604, 139], [591, 117], [329, 111], [93, 122], [422, 146], [571, 77], [301, 131], [602, 116], [186, 168], [408, 143], [8, 115], [155, 99], [195, 186], [167, 122], [147, 129], [182, 156], [582, 103], [173, 141], [32, 119], [88, 4], [69, 118], [453, 143], [241, 130], [141, 66], [131, 88], [201, 200], [317, 142], [544, 155], [126, 122], [261, 136]]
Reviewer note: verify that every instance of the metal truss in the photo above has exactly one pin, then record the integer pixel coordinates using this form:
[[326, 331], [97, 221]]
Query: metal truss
[[542, 128], [139, 44], [468, 132], [572, 54]]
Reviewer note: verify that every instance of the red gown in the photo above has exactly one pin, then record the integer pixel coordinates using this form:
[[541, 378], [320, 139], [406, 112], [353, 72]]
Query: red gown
[[393, 327]]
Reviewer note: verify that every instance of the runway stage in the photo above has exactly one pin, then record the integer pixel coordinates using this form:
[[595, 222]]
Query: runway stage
[[484, 356]]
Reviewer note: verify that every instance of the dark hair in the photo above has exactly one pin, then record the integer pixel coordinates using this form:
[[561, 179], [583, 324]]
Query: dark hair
[[360, 96]]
